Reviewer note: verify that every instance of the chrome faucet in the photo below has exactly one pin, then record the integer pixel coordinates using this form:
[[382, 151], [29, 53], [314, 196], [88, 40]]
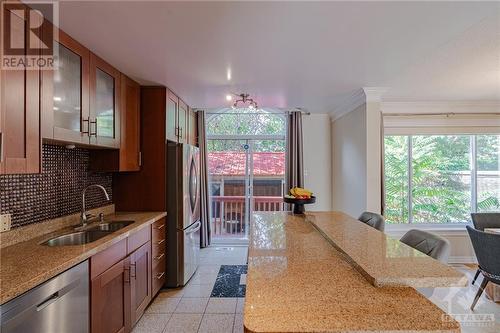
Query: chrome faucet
[[83, 216]]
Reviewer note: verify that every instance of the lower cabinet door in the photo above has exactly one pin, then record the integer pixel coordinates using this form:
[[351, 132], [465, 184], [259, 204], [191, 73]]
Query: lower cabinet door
[[140, 280], [110, 299]]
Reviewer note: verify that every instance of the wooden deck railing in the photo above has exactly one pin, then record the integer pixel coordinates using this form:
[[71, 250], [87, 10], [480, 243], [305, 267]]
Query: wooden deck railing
[[228, 213]]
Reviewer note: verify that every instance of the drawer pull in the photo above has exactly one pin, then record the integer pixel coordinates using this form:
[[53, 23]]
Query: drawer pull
[[160, 227], [160, 275], [160, 256], [161, 241]]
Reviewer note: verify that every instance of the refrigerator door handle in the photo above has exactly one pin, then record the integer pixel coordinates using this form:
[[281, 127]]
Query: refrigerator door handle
[[194, 228]]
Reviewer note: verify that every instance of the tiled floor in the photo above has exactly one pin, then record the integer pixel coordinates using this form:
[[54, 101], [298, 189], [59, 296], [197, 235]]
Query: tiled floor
[[456, 301], [191, 309]]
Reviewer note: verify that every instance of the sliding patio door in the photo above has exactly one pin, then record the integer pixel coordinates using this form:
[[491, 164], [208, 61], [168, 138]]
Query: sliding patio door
[[246, 169], [229, 176]]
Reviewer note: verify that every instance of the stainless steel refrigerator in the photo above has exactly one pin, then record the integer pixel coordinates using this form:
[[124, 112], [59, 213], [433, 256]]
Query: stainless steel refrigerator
[[183, 213]]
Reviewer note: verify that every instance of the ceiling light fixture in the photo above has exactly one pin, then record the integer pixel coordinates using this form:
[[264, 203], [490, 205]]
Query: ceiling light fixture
[[245, 100], [229, 98]]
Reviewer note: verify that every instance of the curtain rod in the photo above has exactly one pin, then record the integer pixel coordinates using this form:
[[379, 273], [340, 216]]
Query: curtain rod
[[305, 113], [442, 114]]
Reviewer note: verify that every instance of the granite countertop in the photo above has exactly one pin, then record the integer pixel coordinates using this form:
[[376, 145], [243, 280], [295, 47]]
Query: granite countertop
[[383, 260], [298, 282], [27, 264]]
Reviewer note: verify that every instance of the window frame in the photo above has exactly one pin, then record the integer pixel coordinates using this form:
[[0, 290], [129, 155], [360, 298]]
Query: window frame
[[474, 188]]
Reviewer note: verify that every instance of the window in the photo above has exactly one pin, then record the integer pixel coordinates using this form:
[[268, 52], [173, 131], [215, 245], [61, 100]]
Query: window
[[441, 178]]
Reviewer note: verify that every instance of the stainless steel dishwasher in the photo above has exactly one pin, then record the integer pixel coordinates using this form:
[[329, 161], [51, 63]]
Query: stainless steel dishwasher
[[60, 305]]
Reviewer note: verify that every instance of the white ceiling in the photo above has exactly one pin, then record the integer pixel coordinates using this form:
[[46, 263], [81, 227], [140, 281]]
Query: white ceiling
[[297, 54]]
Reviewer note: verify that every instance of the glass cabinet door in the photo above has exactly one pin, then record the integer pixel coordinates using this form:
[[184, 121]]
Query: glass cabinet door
[[104, 104], [70, 105], [67, 87]]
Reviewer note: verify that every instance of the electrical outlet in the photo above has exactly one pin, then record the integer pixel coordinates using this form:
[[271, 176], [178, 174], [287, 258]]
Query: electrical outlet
[[5, 222]]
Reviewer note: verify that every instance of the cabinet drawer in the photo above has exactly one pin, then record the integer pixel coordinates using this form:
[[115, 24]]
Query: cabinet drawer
[[158, 277], [158, 248], [107, 258], [137, 239], [158, 257], [158, 230]]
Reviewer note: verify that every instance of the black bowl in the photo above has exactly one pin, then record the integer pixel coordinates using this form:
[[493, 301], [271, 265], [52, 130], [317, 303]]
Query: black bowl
[[298, 204], [300, 201]]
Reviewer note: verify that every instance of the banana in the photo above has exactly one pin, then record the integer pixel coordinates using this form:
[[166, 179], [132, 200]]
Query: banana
[[300, 192]]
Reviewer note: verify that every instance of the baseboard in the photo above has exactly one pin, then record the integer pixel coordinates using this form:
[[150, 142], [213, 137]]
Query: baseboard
[[462, 260]]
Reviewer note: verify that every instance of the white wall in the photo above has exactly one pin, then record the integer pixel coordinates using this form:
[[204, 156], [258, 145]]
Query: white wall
[[349, 162], [317, 160]]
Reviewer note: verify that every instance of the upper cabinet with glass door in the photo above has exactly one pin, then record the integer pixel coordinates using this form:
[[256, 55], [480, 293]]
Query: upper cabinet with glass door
[[104, 124], [68, 119]]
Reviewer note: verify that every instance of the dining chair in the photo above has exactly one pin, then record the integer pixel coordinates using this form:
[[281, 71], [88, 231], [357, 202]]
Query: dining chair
[[374, 220], [482, 221], [487, 247], [429, 243]]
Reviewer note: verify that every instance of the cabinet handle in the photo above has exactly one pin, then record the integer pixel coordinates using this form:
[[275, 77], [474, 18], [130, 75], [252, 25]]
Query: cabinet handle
[[1, 146], [135, 271], [180, 128], [160, 256], [177, 131], [126, 278], [88, 126], [160, 275], [160, 227], [161, 241], [140, 158]]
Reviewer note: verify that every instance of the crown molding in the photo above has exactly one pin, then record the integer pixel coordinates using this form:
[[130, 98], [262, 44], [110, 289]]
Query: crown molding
[[374, 94], [423, 107], [351, 103], [358, 98]]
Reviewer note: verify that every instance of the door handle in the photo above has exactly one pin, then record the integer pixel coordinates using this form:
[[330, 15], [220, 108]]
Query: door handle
[[95, 126], [88, 126], [194, 228], [51, 299]]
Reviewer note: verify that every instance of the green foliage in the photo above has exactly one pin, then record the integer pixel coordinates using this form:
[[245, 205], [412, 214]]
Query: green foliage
[[441, 177], [246, 122]]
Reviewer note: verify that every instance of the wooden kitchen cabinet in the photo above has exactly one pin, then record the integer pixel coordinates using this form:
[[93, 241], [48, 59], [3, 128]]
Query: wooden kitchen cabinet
[[121, 283], [65, 96], [140, 281], [193, 128], [171, 118], [182, 121], [128, 157], [177, 119], [158, 250], [105, 89], [19, 109], [111, 299]]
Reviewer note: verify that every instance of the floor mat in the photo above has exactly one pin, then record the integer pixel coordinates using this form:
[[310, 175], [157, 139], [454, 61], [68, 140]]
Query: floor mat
[[230, 282]]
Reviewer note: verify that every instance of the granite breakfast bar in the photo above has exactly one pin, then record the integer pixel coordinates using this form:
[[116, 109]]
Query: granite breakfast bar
[[301, 278]]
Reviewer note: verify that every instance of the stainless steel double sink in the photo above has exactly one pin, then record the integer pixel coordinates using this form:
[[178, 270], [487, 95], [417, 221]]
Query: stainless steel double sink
[[88, 236]]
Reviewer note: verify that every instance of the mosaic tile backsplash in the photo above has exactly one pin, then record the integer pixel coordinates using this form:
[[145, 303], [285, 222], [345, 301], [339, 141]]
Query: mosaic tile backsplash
[[57, 191]]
